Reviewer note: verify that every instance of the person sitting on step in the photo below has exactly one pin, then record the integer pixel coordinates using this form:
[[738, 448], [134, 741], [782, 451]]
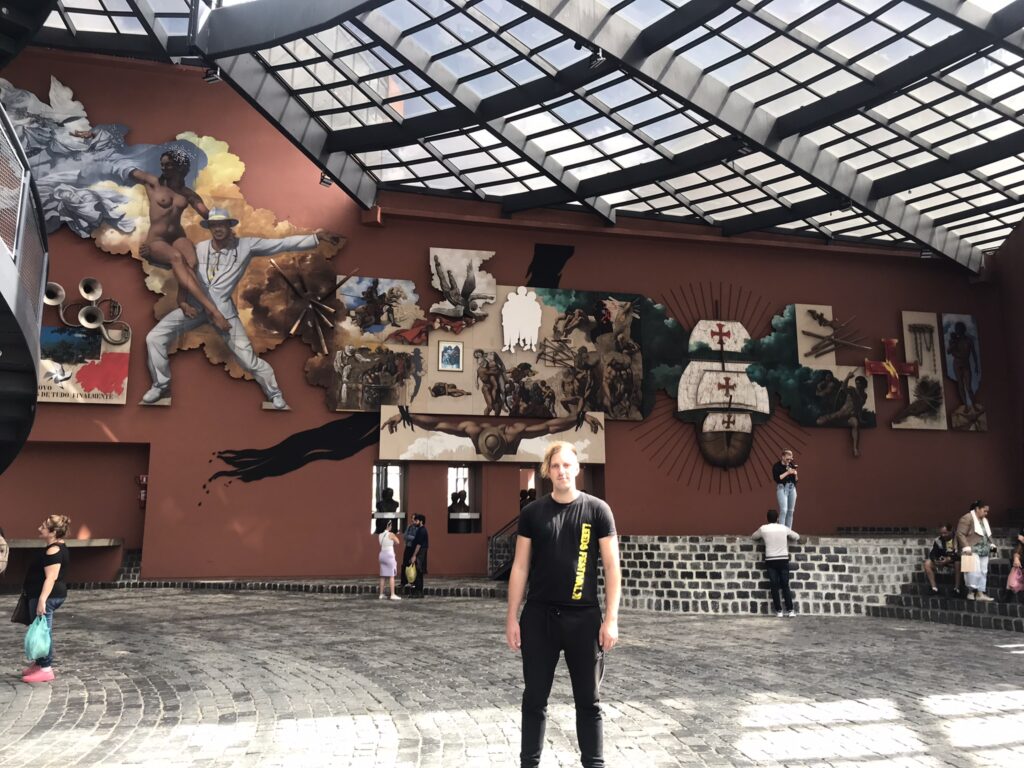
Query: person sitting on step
[[943, 558]]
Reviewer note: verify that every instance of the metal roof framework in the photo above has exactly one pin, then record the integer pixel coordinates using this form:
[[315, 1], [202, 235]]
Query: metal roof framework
[[894, 122]]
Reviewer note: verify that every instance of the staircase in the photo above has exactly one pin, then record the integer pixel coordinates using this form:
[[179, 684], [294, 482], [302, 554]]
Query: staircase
[[501, 550], [916, 601], [131, 568]]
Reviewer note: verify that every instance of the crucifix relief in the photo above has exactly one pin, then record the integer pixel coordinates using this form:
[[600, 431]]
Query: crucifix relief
[[727, 386], [720, 334], [890, 369]]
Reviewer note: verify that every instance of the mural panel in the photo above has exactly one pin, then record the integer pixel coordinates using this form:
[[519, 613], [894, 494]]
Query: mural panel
[[927, 407], [963, 366], [78, 365], [407, 436]]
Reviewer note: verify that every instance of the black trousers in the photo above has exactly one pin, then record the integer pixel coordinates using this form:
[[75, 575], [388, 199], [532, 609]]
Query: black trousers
[[778, 580], [546, 631]]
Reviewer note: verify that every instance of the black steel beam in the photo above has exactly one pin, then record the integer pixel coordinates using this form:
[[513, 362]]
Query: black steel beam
[[234, 29], [694, 159], [776, 217], [674, 25], [377, 137], [869, 93], [1004, 27], [110, 44], [961, 162]]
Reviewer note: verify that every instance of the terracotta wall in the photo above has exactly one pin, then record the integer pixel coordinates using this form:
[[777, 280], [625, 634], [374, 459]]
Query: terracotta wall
[[314, 522]]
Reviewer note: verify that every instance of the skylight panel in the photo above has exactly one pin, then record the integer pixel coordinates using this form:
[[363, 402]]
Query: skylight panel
[[740, 70], [591, 170], [895, 52], [789, 11], [403, 14], [129, 25], [644, 13], [87, 22], [499, 11], [489, 85], [574, 110], [779, 51], [710, 52], [830, 22], [494, 50], [860, 39], [533, 33], [435, 39], [747, 32]]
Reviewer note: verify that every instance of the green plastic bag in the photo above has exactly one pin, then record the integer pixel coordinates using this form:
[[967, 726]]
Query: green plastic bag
[[37, 639]]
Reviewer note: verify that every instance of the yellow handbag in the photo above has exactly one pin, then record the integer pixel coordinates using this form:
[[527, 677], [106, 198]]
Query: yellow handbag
[[410, 573]]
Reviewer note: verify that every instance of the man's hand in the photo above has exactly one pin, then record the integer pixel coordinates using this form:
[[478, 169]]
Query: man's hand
[[512, 637], [391, 425], [144, 252], [595, 425], [188, 309], [608, 637]]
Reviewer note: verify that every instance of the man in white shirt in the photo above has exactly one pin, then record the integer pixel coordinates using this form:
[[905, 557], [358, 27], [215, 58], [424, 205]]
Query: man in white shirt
[[776, 538], [221, 263]]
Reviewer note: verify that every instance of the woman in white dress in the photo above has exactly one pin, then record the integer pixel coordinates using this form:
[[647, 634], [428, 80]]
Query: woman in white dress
[[388, 562]]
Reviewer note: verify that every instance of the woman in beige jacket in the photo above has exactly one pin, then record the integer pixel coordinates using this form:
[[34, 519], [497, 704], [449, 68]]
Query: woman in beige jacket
[[974, 536]]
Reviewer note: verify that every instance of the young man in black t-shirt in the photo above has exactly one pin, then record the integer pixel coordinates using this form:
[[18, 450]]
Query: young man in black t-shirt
[[560, 538]]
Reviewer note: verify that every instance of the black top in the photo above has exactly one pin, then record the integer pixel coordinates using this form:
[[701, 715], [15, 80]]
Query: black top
[[941, 549], [777, 471], [422, 538], [564, 548], [36, 576]]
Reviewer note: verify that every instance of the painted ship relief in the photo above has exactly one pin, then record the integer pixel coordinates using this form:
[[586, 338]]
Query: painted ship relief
[[716, 394]]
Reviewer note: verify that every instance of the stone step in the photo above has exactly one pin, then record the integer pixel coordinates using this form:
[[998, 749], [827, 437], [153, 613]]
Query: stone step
[[965, 613]]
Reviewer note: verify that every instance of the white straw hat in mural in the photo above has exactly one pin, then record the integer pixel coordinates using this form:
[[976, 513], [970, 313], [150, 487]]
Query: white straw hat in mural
[[218, 216]]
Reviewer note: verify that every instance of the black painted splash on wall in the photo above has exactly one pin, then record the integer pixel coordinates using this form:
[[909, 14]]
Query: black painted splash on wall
[[545, 271], [334, 441]]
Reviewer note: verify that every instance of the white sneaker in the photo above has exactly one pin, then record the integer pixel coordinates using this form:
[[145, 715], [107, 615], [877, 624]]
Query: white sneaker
[[790, 614], [155, 394], [382, 597], [780, 614], [278, 402], [395, 597], [971, 595], [983, 598]]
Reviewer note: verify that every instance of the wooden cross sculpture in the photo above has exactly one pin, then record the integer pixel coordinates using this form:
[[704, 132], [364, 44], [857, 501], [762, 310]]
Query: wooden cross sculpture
[[890, 369]]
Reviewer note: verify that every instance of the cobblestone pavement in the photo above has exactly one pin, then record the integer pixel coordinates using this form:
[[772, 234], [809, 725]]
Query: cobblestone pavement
[[169, 678]]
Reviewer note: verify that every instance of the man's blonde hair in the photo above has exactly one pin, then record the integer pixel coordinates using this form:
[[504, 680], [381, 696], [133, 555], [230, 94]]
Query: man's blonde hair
[[556, 447]]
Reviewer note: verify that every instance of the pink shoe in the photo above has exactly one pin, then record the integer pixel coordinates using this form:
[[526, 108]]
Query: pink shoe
[[41, 675], [33, 667]]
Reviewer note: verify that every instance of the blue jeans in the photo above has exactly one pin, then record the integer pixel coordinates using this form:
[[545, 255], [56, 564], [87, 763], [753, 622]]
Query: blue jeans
[[52, 604], [785, 494]]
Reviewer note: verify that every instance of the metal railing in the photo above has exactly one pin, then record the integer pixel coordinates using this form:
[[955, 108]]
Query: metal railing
[[501, 549]]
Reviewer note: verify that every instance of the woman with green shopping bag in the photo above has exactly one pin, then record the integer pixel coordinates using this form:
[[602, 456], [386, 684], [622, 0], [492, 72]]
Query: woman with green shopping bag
[[46, 588]]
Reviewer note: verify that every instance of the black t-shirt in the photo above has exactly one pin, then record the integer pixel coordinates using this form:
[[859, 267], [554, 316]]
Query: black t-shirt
[[564, 548], [777, 471], [422, 538], [36, 575]]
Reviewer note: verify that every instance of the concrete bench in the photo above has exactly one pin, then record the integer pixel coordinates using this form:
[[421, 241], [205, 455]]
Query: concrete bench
[[71, 543]]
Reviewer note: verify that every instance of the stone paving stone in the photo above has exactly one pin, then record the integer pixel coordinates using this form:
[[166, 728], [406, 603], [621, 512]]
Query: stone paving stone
[[177, 679]]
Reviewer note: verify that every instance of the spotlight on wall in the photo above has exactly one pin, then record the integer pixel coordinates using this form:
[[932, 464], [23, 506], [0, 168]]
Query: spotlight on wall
[[91, 313], [211, 75], [597, 58], [325, 180]]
